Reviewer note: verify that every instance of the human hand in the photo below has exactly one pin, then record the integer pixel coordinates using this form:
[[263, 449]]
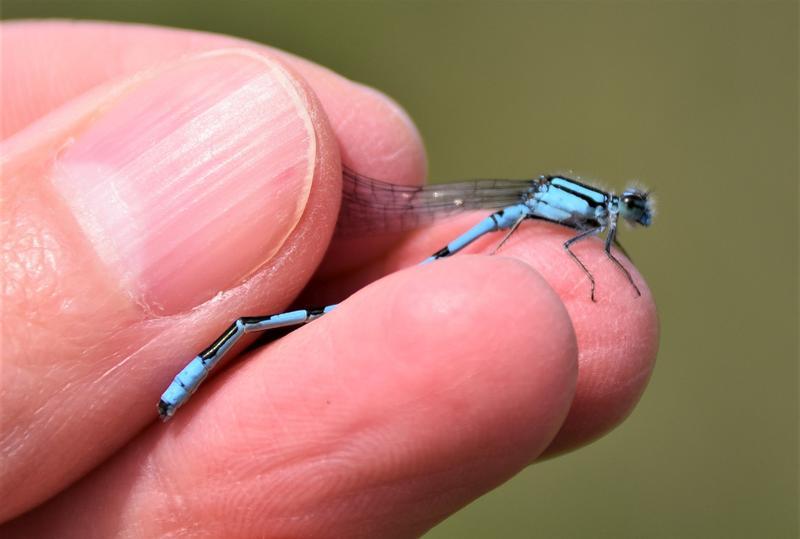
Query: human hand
[[174, 181]]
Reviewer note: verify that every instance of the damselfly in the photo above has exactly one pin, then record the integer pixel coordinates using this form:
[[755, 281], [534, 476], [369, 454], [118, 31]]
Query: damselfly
[[373, 206]]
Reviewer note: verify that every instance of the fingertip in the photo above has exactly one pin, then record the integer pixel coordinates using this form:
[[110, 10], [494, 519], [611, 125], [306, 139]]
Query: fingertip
[[617, 359], [377, 136], [617, 335], [494, 327], [384, 141]]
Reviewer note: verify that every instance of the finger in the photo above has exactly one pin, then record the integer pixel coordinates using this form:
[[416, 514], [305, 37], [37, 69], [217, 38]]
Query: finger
[[137, 219], [420, 393], [48, 63], [617, 336]]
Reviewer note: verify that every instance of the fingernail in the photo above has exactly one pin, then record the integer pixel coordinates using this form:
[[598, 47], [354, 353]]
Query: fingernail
[[193, 178]]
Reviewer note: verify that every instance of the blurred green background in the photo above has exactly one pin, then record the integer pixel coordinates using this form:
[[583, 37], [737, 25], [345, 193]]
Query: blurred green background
[[699, 100]]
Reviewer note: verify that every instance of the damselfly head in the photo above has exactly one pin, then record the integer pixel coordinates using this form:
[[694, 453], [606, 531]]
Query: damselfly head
[[636, 207]]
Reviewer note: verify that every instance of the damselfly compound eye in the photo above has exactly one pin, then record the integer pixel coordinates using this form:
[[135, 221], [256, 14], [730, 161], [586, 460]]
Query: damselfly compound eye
[[636, 207]]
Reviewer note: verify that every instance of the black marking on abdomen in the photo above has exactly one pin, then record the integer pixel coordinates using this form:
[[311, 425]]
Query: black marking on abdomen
[[222, 339], [441, 253]]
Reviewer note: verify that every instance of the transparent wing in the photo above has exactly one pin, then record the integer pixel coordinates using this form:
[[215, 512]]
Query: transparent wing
[[374, 206]]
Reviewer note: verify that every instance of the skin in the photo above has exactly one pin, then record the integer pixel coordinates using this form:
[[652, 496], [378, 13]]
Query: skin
[[422, 391]]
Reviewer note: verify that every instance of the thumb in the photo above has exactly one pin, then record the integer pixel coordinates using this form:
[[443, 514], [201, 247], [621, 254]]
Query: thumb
[[132, 218]]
